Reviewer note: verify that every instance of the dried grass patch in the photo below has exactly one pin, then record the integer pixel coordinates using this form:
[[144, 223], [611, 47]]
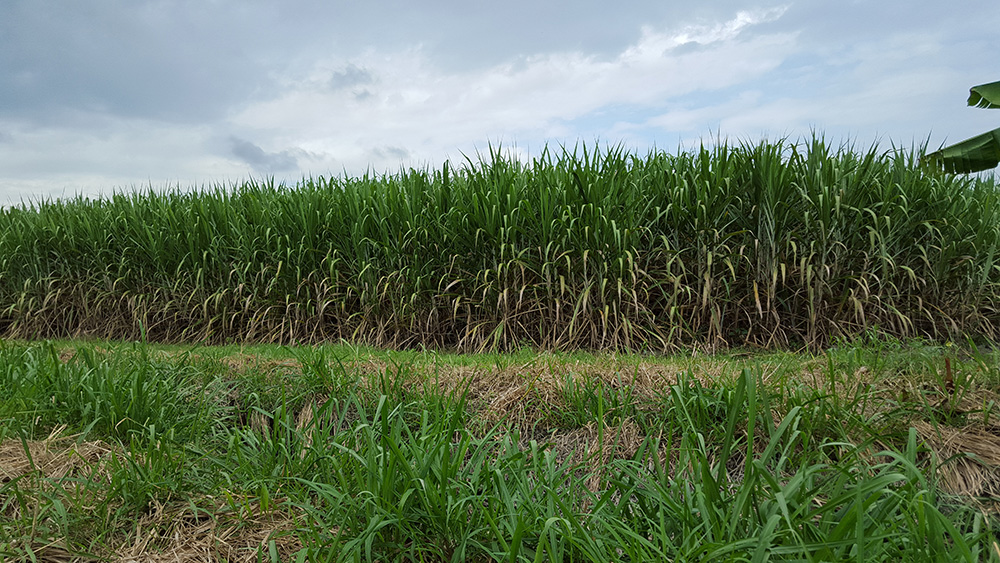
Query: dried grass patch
[[53, 458], [969, 457], [40, 468], [182, 532], [596, 447]]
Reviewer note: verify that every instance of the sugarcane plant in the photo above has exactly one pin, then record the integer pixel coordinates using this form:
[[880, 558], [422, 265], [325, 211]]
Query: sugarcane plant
[[981, 152]]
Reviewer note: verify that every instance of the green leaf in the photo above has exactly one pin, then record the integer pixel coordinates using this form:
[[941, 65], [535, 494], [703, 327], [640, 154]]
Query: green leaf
[[981, 152], [985, 95]]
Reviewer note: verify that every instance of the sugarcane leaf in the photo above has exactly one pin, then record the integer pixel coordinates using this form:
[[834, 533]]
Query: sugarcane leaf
[[985, 95], [981, 152]]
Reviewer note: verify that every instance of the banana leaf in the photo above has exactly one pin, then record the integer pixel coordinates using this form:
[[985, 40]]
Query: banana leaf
[[985, 95], [981, 152]]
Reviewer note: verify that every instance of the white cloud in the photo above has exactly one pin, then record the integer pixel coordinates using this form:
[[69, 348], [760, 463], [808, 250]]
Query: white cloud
[[896, 88], [409, 102], [655, 44]]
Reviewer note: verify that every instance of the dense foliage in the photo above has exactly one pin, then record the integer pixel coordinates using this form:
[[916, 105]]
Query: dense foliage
[[772, 244]]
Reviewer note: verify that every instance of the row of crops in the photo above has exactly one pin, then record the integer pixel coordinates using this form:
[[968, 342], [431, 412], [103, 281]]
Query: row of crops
[[770, 244]]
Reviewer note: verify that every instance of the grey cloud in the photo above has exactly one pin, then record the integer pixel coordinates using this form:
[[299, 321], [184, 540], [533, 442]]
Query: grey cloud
[[390, 152], [186, 61], [491, 33], [351, 76], [260, 160]]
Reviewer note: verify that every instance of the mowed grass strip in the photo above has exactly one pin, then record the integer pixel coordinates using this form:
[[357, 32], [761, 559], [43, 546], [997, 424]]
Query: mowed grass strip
[[127, 452], [773, 244]]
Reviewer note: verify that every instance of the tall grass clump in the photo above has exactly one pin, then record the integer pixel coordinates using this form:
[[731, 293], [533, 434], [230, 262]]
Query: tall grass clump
[[772, 244], [42, 390]]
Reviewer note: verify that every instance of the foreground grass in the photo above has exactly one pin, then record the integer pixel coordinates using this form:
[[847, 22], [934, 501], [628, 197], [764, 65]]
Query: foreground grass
[[131, 452]]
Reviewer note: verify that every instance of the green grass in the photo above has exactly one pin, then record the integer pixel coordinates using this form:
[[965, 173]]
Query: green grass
[[774, 244], [340, 453]]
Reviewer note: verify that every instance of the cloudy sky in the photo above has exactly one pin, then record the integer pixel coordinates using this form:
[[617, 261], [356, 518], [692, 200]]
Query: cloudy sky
[[105, 95]]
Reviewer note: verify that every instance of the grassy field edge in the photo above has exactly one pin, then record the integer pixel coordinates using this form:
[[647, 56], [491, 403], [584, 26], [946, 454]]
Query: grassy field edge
[[880, 452]]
